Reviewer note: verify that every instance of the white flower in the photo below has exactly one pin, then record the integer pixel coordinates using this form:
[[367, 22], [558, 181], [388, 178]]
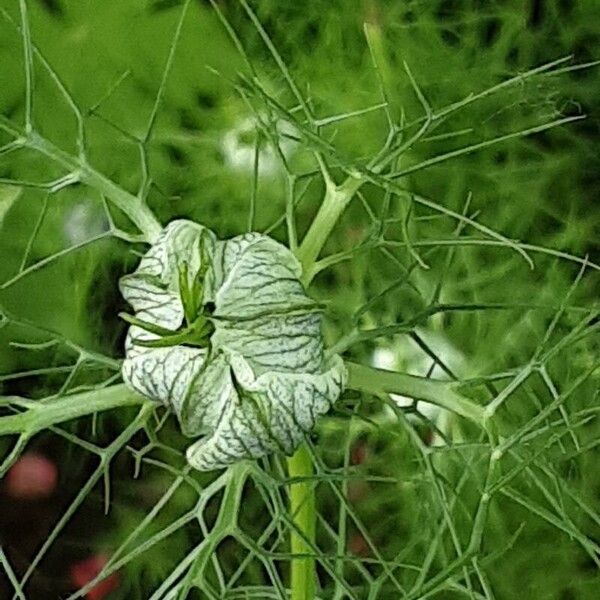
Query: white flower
[[226, 336], [83, 222], [238, 145], [412, 359]]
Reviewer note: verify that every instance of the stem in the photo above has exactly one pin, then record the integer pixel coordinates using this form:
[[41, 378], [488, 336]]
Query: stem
[[303, 510], [335, 202], [304, 514], [225, 525], [42, 415], [441, 393], [133, 206]]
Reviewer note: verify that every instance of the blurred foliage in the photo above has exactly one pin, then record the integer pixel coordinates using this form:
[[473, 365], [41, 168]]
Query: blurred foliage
[[542, 190]]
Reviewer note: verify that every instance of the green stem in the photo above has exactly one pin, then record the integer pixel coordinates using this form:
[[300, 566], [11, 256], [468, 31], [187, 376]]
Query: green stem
[[304, 514], [42, 415], [303, 576], [225, 524], [441, 393], [334, 203], [133, 206]]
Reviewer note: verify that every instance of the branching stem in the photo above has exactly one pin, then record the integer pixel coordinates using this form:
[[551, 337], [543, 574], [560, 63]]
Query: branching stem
[[334, 204], [441, 393], [79, 170], [39, 416], [225, 525], [43, 415]]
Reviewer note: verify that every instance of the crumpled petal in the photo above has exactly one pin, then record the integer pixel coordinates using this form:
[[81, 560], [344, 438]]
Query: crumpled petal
[[162, 374], [264, 379], [272, 413], [255, 275]]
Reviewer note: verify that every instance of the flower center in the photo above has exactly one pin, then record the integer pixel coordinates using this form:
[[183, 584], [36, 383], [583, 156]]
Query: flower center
[[197, 326]]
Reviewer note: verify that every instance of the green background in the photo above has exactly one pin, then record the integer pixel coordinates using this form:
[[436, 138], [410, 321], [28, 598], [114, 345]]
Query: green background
[[543, 532]]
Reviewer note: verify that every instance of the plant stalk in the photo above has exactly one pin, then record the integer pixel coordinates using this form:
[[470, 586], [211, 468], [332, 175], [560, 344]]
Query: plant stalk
[[133, 206], [304, 514], [303, 577], [441, 393], [42, 415], [334, 204]]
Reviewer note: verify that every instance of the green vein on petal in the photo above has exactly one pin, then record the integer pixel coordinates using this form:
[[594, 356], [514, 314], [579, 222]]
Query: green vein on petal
[[258, 382]]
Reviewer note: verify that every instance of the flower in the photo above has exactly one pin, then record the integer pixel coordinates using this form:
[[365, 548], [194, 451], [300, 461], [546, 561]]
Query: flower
[[225, 335], [32, 477], [412, 359], [87, 570], [239, 146]]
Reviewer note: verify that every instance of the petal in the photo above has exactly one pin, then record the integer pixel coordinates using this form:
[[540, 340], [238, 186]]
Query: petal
[[240, 434], [256, 276], [298, 398], [151, 301], [288, 343], [261, 309], [273, 412], [153, 288], [208, 392], [163, 374]]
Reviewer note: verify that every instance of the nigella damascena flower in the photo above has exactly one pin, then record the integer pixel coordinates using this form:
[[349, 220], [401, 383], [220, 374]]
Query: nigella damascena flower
[[225, 335]]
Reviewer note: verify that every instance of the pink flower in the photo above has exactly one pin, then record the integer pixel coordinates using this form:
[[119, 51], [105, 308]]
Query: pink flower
[[86, 570], [33, 476], [358, 545], [359, 453]]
